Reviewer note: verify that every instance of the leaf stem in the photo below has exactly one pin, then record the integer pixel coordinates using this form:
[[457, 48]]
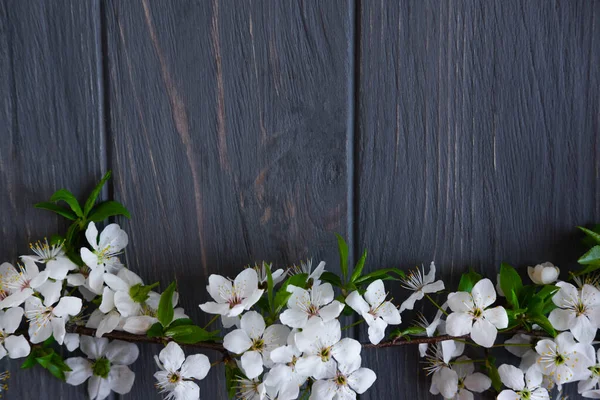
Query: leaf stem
[[213, 319], [353, 324], [436, 304]]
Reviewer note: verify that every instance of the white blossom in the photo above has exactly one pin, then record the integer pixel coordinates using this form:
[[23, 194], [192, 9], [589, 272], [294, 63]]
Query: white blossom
[[283, 377], [57, 262], [232, 298], [343, 382], [250, 389], [261, 270], [321, 345], [46, 320], [421, 284], [318, 301], [522, 386], [563, 359], [15, 345], [120, 293], [376, 312], [578, 311], [140, 324], [177, 372], [459, 380], [103, 256], [306, 268], [19, 284], [107, 368], [254, 341], [543, 274], [444, 379], [471, 314]]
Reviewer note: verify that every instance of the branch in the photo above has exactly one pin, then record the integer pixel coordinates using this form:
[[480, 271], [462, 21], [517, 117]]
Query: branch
[[402, 342]]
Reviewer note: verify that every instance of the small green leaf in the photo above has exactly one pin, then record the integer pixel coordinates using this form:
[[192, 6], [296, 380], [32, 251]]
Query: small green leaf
[[270, 285], [30, 361], [190, 334], [547, 291], [46, 359], [332, 278], [468, 280], [490, 364], [359, 267], [166, 310], [56, 371], [139, 292], [91, 200], [411, 330], [65, 212], [343, 249], [156, 330], [595, 236], [60, 363], [511, 284], [592, 257], [544, 323], [67, 197], [379, 274], [107, 209], [180, 322]]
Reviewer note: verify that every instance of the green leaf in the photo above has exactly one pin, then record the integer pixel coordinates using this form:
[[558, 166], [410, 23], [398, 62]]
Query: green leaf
[[592, 257], [166, 310], [180, 322], [411, 330], [270, 284], [343, 249], [544, 323], [379, 274], [56, 371], [156, 330], [89, 203], [108, 209], [332, 278], [30, 361], [547, 291], [67, 197], [65, 212], [282, 295], [139, 292], [511, 284], [45, 359], [359, 267], [468, 280], [60, 363], [595, 236], [490, 364], [190, 334]]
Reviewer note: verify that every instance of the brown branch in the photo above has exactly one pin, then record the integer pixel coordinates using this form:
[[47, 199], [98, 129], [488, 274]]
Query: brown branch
[[419, 340]]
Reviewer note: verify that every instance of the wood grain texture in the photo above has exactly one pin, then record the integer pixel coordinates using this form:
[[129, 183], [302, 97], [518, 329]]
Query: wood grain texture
[[228, 130], [51, 135], [478, 142]]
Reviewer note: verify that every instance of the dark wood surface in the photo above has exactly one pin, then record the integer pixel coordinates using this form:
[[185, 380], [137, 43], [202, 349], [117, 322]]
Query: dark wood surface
[[462, 132]]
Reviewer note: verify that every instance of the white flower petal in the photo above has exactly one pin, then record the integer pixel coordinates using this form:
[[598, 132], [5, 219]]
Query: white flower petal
[[237, 341], [122, 353], [331, 311], [375, 294], [294, 318], [583, 330], [195, 366], [68, 305], [459, 323], [478, 382], [483, 293], [460, 302], [171, 357], [357, 303], [187, 390], [71, 341], [346, 350], [108, 300], [512, 377], [322, 294], [113, 236], [377, 330], [497, 316], [11, 319], [125, 304], [252, 364], [96, 279], [116, 283], [434, 287], [90, 259], [94, 348], [361, 380], [120, 379], [484, 333], [50, 290], [17, 346], [108, 323], [246, 282], [59, 267], [253, 323], [389, 313], [562, 319], [139, 325], [215, 308], [81, 370], [323, 390], [91, 234], [98, 388]]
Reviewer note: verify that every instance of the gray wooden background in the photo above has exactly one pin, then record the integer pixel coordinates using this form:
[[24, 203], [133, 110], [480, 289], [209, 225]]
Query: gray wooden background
[[464, 132]]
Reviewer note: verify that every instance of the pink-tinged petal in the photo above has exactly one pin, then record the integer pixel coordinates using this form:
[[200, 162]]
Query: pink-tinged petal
[[497, 316], [120, 379], [246, 282], [195, 366], [484, 333], [294, 318], [171, 357], [460, 302], [331, 311], [512, 377], [357, 303], [361, 380], [459, 324], [237, 341], [375, 294], [17, 346], [253, 324], [583, 330], [252, 364], [484, 293], [122, 353], [81, 370]]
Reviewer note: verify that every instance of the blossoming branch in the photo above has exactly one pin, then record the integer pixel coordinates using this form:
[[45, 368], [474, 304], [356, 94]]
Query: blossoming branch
[[281, 335]]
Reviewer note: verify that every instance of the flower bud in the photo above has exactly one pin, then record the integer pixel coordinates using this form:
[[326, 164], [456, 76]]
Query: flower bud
[[543, 274]]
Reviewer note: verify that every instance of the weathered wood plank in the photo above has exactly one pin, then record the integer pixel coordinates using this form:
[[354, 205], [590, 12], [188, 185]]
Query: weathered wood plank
[[228, 124], [51, 134], [478, 141]]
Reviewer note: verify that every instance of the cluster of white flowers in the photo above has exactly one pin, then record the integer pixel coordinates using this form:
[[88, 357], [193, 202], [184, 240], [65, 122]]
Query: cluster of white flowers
[[284, 337]]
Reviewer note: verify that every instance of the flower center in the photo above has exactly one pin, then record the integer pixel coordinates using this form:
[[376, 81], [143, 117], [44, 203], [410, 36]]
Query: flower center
[[341, 380], [312, 310], [293, 362], [524, 394], [258, 344], [325, 354], [559, 359], [101, 367], [174, 377], [477, 313], [461, 383], [595, 370], [580, 309]]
